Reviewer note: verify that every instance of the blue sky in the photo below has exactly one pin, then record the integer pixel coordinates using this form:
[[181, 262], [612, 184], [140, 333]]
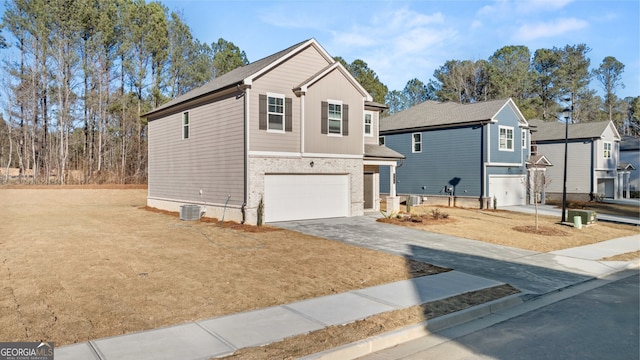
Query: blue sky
[[402, 40]]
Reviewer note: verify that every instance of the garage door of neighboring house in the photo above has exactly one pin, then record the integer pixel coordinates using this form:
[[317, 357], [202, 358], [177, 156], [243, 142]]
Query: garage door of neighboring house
[[508, 190], [606, 187], [300, 197]]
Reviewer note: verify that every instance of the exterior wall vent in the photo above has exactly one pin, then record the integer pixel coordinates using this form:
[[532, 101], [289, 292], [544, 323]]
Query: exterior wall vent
[[189, 212]]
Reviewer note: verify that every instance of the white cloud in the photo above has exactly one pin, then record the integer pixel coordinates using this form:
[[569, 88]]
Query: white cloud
[[540, 5], [549, 29], [401, 45]]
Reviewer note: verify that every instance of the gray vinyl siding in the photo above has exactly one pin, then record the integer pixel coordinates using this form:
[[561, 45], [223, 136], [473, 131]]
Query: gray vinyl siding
[[334, 86], [446, 155], [579, 173], [212, 159], [282, 80]]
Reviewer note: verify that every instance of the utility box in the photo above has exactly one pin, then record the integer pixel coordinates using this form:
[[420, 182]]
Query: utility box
[[189, 212], [588, 216]]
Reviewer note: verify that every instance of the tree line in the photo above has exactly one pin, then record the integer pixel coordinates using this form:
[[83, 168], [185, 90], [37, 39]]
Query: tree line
[[85, 70], [83, 73], [542, 85]]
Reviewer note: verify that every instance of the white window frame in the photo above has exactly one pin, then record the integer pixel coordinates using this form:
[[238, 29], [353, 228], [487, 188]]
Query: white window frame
[[524, 138], [185, 126], [505, 146], [414, 142], [335, 119], [607, 146], [275, 113], [381, 140], [369, 125]]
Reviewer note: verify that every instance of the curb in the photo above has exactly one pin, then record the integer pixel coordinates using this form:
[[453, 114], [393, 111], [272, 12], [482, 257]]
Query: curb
[[412, 332]]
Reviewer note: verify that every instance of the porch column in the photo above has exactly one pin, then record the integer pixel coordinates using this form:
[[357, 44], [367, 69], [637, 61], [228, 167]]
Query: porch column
[[627, 184], [619, 185], [392, 180]]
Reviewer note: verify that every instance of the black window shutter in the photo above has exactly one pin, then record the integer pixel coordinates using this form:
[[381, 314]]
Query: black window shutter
[[262, 110], [288, 119], [324, 118], [345, 120]]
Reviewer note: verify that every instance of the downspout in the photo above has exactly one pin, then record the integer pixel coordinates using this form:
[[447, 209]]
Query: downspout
[[246, 153], [593, 187], [302, 121], [482, 168]]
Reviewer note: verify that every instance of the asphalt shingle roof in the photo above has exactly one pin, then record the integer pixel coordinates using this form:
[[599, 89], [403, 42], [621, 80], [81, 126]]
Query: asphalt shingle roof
[[554, 130], [231, 78], [433, 113], [381, 151]]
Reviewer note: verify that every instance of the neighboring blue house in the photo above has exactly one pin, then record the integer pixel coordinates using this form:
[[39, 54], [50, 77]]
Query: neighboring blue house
[[472, 153], [630, 160]]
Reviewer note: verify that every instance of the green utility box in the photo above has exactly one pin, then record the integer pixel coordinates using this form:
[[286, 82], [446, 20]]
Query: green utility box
[[588, 216]]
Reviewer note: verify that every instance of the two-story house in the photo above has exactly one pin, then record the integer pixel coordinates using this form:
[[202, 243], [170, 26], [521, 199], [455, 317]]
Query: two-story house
[[293, 131], [474, 153], [593, 156]]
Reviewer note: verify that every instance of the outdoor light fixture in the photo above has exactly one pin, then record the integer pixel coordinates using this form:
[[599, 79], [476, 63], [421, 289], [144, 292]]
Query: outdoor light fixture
[[566, 113], [311, 164]]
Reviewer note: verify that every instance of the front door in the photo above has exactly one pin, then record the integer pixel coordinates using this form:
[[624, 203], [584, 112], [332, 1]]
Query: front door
[[368, 191]]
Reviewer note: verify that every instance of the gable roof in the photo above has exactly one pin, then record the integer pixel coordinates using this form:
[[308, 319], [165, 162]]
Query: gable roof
[[538, 160], [553, 130], [436, 114], [241, 76], [337, 66]]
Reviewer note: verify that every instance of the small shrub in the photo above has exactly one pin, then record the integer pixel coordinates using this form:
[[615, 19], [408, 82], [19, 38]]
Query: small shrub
[[437, 215]]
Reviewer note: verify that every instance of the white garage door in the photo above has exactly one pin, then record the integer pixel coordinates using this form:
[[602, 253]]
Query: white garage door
[[299, 197], [508, 190]]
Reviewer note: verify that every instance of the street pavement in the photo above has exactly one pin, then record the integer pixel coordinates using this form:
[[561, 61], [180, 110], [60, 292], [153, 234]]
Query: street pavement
[[477, 265], [599, 323]]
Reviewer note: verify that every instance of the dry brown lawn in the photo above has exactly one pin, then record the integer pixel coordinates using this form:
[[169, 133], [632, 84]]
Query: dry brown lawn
[[511, 228], [85, 262], [78, 264]]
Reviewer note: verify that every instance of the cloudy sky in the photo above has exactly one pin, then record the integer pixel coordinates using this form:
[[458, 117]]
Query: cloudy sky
[[402, 40]]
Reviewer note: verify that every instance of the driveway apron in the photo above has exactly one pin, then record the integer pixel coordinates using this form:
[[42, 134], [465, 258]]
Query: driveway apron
[[531, 272]]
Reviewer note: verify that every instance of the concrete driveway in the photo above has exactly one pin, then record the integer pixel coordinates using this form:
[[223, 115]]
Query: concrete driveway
[[531, 272]]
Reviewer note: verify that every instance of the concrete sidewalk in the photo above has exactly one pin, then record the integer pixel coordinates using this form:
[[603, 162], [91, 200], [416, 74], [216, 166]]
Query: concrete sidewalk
[[477, 265], [224, 335]]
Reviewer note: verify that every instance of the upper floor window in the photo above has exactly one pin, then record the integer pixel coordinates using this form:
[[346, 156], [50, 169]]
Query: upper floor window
[[368, 124], [506, 138], [275, 112], [416, 142], [381, 140], [185, 125], [607, 150], [524, 138], [335, 118]]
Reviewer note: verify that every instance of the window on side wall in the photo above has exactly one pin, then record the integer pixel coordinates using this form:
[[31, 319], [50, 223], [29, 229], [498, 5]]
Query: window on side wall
[[416, 142], [368, 124], [524, 139], [185, 125], [275, 112], [335, 118], [506, 138], [607, 150]]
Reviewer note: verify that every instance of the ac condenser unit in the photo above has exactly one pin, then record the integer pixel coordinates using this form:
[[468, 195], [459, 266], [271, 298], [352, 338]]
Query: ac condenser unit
[[189, 212]]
